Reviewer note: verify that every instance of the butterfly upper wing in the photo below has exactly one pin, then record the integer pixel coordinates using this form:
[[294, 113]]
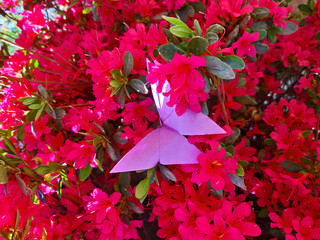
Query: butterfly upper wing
[[144, 155], [161, 101], [175, 148], [191, 123]]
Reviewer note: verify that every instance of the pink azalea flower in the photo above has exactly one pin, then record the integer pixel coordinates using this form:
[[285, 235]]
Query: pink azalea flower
[[137, 112], [244, 44], [236, 218], [81, 154], [214, 166], [235, 7], [186, 82], [102, 205]]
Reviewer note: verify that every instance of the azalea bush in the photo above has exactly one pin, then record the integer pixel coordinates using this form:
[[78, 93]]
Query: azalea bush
[[75, 98]]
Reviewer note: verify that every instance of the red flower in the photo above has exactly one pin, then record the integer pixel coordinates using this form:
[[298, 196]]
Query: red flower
[[214, 166], [236, 218], [102, 205], [244, 45], [186, 82], [136, 112]]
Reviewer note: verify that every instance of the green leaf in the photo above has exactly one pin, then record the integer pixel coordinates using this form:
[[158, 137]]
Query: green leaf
[[20, 133], [233, 137], [211, 37], [258, 26], [118, 139], [29, 101], [124, 183], [74, 3], [127, 63], [269, 142], [198, 6], [139, 86], [238, 181], [234, 62], [305, 8], [175, 21], [115, 84], [306, 161], [120, 96], [272, 38], [9, 145], [291, 166], [35, 106], [42, 91], [197, 45], [215, 28], [112, 152], [185, 12], [170, 36], [135, 208], [124, 179], [3, 175], [262, 34], [181, 31], [42, 169], [204, 108], [39, 112], [240, 171], [260, 12], [289, 29], [167, 174], [246, 100], [261, 48], [49, 109], [167, 51], [218, 68], [230, 149], [197, 27], [85, 172], [54, 167], [86, 10], [22, 185], [17, 220], [60, 113], [142, 189]]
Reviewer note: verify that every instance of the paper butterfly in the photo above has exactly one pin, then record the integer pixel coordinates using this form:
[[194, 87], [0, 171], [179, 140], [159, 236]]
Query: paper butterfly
[[167, 144]]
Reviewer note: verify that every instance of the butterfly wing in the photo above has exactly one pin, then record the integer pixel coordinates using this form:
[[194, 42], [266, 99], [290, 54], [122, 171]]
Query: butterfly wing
[[161, 101], [191, 123], [144, 155], [175, 148]]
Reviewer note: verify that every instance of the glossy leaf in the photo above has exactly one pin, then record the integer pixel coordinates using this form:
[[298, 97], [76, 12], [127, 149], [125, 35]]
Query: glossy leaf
[[197, 45], [85, 172], [127, 63], [167, 51], [289, 29], [234, 62], [139, 86], [260, 12], [291, 166], [218, 68], [42, 91]]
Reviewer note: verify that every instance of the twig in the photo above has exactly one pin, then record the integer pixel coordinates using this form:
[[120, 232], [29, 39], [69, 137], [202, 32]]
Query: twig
[[317, 128], [221, 98]]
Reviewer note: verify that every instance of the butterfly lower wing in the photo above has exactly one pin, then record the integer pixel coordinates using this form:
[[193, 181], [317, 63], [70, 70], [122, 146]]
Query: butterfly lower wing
[[175, 148], [144, 155], [191, 123]]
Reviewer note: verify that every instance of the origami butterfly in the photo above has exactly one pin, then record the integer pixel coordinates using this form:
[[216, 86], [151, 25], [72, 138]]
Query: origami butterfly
[[167, 144]]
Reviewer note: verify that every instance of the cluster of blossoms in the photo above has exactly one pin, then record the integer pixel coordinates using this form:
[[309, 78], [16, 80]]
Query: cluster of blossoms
[[75, 98]]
